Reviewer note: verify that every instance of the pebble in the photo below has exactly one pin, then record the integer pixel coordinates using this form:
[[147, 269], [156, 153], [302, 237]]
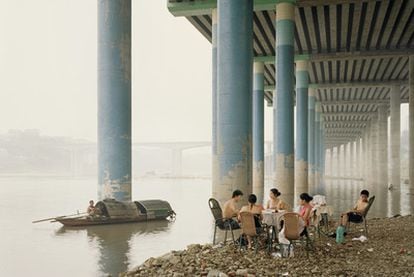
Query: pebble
[[378, 256]]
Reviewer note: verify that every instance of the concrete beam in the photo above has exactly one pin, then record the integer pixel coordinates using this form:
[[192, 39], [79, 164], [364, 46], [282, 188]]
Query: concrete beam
[[344, 128], [202, 7], [362, 84], [349, 122], [338, 56], [349, 114], [346, 125], [359, 102], [389, 83]]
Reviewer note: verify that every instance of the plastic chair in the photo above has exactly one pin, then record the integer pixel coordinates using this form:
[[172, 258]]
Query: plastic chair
[[220, 222], [249, 228], [291, 226], [363, 217]]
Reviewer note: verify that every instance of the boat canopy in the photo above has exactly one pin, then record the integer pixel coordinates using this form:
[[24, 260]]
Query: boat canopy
[[118, 209], [124, 209], [155, 208]]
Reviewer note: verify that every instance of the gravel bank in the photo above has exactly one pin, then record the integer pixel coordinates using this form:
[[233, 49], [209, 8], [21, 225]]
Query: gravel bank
[[389, 251]]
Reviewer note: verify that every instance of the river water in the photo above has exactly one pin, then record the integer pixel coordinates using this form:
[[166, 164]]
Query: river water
[[48, 249]]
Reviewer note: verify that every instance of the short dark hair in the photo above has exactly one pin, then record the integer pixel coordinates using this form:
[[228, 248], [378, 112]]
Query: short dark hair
[[275, 192], [364, 192], [306, 197], [237, 192], [252, 199]]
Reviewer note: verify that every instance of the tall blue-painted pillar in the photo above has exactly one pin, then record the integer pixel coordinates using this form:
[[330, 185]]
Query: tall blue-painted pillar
[[258, 130], [321, 188], [214, 104], [311, 139], [284, 132], [234, 85], [317, 147], [114, 99], [301, 162]]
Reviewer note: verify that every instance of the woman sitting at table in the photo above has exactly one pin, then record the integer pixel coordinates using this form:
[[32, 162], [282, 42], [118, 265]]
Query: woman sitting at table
[[304, 216], [305, 208], [275, 203], [256, 210]]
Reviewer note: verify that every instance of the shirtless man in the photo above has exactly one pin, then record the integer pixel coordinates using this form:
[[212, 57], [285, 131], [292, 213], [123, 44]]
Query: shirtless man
[[355, 214], [230, 209]]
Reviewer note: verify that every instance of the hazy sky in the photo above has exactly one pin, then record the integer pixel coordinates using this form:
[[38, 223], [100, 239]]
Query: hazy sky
[[48, 71]]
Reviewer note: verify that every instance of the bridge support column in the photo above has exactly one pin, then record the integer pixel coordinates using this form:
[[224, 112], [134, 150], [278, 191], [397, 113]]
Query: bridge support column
[[215, 164], [374, 149], [358, 164], [340, 159], [234, 86], [258, 130], [382, 145], [285, 27], [351, 159], [395, 132], [301, 162], [114, 99], [321, 188], [411, 123], [368, 154], [317, 147], [311, 139]]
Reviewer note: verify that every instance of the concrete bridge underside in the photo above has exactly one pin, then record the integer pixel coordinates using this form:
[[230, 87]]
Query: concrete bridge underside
[[347, 65], [353, 66]]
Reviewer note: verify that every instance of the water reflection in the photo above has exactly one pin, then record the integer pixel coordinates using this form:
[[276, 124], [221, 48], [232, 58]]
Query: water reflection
[[113, 242], [343, 194]]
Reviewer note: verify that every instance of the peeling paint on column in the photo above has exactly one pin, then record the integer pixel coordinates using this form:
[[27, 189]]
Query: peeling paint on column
[[234, 87], [284, 162], [411, 123], [258, 180], [317, 165], [114, 99], [301, 163], [284, 131], [311, 139], [395, 136], [214, 104], [258, 130], [383, 145]]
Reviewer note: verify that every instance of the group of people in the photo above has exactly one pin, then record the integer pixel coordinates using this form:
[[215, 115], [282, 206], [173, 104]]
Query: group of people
[[232, 214]]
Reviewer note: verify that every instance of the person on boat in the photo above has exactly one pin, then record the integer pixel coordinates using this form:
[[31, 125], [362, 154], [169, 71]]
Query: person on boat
[[275, 203], [230, 209], [91, 210]]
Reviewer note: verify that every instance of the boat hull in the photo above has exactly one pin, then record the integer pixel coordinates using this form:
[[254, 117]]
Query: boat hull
[[89, 221]]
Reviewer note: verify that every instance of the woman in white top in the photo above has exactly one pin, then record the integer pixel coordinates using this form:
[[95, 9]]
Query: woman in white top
[[275, 203]]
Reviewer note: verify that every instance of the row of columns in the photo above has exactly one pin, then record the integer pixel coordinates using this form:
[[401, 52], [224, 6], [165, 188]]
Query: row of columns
[[232, 107], [238, 108], [373, 147]]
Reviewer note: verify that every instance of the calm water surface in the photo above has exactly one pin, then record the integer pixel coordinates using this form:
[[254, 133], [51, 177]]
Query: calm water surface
[[48, 249]]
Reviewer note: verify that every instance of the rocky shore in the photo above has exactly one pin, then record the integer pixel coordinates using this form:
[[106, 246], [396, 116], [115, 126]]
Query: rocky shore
[[389, 251]]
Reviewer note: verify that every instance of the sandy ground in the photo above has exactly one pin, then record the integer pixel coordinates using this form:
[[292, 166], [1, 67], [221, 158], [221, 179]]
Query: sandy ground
[[389, 251]]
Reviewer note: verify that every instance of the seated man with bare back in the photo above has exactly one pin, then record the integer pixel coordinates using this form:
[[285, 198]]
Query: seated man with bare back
[[230, 209], [355, 215]]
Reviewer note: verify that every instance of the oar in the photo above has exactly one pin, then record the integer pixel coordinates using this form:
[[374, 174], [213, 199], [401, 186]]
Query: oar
[[76, 217], [51, 218]]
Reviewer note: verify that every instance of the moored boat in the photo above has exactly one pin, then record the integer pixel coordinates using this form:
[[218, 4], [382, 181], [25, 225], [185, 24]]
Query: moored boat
[[111, 211]]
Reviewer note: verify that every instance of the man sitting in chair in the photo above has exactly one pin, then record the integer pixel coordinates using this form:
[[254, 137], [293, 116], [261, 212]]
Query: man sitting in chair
[[355, 215], [230, 209]]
